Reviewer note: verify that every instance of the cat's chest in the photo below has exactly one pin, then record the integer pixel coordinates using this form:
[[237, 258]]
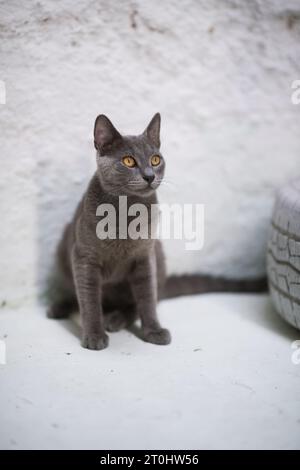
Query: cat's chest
[[117, 256]]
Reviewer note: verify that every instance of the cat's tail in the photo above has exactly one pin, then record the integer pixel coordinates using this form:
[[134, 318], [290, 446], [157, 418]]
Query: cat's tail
[[190, 284]]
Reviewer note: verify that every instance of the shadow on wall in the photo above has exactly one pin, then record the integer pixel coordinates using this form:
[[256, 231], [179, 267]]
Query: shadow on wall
[[59, 191]]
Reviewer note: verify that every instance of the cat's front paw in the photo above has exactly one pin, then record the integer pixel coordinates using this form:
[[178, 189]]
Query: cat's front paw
[[94, 341], [160, 336]]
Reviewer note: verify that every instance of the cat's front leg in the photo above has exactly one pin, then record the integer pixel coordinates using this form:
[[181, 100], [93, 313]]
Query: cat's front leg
[[144, 288], [87, 277]]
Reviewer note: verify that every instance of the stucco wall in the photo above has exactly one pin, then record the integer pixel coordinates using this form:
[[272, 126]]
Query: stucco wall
[[219, 72]]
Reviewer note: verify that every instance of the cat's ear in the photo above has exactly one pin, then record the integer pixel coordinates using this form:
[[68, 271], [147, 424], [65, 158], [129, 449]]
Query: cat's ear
[[105, 134], [153, 130]]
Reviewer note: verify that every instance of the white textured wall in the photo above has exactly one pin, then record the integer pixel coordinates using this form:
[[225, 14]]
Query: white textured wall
[[219, 72]]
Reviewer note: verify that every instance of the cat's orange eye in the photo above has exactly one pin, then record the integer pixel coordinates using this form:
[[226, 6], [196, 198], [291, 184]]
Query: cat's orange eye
[[129, 161], [155, 160]]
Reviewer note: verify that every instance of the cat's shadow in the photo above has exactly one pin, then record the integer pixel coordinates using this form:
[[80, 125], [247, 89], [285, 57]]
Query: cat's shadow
[[72, 326], [266, 317]]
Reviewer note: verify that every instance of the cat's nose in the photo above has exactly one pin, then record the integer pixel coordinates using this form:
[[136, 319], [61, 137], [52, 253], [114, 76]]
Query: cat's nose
[[149, 178]]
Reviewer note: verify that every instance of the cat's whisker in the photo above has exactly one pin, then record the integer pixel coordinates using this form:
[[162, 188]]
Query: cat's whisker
[[166, 183], [171, 183]]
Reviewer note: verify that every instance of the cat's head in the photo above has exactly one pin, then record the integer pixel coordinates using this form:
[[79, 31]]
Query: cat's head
[[129, 164]]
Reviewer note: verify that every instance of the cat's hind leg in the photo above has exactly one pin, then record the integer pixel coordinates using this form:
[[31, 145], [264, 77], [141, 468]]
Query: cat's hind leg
[[117, 320], [62, 308], [61, 294], [118, 307]]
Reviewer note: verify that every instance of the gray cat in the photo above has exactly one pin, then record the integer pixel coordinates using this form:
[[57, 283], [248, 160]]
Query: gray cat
[[115, 281]]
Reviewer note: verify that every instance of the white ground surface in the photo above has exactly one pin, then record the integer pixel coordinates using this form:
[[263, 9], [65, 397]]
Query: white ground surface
[[226, 381]]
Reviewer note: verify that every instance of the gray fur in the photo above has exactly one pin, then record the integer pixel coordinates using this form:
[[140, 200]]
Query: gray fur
[[115, 281]]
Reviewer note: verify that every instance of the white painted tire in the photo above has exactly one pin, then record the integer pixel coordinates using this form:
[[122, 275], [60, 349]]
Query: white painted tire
[[283, 257]]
